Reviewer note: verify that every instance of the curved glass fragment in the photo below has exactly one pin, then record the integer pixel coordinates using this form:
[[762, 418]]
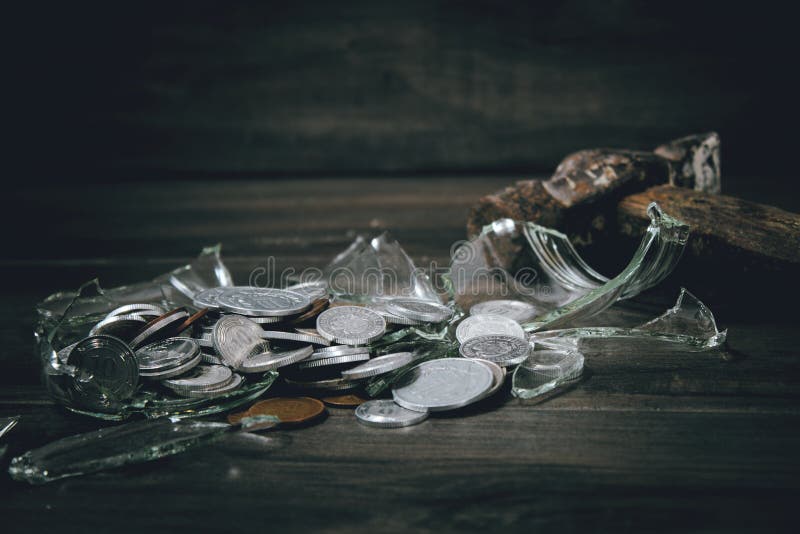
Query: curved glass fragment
[[370, 270], [111, 447], [67, 317], [545, 370], [539, 265], [687, 326]]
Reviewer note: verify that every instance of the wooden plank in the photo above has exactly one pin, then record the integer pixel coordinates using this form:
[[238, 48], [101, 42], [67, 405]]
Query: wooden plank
[[517, 467], [365, 88]]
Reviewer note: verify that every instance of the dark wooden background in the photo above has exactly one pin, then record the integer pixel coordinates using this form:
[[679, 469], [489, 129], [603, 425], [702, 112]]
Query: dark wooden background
[[140, 90], [143, 131]]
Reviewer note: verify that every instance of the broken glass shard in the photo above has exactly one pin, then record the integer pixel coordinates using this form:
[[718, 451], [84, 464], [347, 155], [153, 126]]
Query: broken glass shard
[[373, 269], [538, 265], [545, 370], [112, 447], [687, 326], [7, 423]]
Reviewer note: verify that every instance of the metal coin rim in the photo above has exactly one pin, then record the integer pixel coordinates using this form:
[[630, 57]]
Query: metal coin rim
[[519, 358], [396, 307], [334, 360], [443, 407], [374, 420], [368, 369], [265, 312], [281, 359]]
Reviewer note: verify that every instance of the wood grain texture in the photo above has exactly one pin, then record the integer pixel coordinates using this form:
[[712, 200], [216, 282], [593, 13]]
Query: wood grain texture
[[746, 250], [190, 88], [647, 441]]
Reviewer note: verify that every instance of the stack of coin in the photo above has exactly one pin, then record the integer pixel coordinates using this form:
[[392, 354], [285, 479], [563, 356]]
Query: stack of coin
[[490, 340], [347, 363]]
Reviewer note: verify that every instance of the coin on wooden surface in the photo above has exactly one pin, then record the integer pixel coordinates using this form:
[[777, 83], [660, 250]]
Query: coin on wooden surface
[[344, 401], [290, 410], [385, 413], [443, 384]]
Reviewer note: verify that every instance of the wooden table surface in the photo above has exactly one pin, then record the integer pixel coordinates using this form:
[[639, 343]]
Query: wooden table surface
[[689, 442]]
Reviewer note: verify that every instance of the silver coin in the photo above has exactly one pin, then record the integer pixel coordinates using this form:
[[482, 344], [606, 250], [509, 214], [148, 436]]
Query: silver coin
[[200, 378], [173, 371], [313, 290], [330, 384], [498, 374], [380, 365], [486, 325], [443, 384], [162, 324], [338, 350], [300, 338], [167, 353], [515, 310], [266, 320], [234, 384], [268, 361], [234, 337], [107, 370], [386, 413], [256, 319], [419, 310], [152, 310], [209, 298], [502, 350], [211, 359], [333, 360], [262, 301], [124, 327], [206, 341], [350, 325], [390, 318], [307, 331]]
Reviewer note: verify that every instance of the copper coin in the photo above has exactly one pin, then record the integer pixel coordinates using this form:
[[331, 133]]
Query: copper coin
[[317, 307], [167, 330], [291, 410], [345, 401], [191, 320], [236, 418], [160, 317]]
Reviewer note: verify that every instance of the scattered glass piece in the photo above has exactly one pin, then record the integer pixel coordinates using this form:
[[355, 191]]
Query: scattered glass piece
[[7, 423], [370, 270], [112, 447], [687, 326], [544, 371]]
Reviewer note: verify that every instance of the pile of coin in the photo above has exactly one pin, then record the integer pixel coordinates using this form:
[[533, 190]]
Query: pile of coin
[[490, 340], [317, 348]]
